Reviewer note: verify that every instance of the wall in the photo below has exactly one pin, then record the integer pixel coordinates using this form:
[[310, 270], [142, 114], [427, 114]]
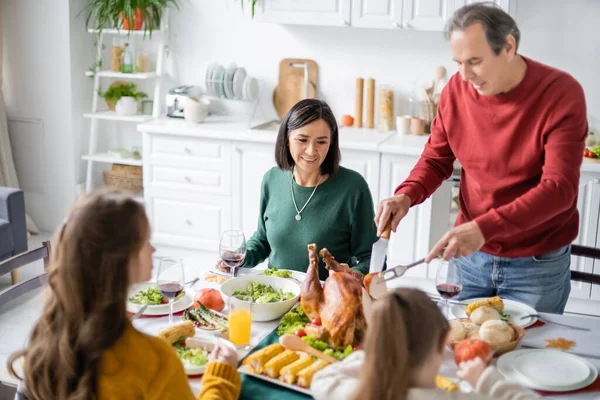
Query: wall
[[204, 31], [39, 51]]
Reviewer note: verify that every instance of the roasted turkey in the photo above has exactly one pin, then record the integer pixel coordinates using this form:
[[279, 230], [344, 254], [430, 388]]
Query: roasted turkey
[[338, 302]]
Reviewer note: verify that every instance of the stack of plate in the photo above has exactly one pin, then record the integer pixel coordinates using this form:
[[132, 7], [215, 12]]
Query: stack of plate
[[231, 83], [549, 370]]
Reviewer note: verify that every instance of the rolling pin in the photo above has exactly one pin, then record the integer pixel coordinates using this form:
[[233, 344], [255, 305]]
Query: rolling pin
[[359, 103], [370, 103]]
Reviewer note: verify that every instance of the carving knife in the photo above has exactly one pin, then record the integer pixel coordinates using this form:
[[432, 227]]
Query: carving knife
[[380, 249]]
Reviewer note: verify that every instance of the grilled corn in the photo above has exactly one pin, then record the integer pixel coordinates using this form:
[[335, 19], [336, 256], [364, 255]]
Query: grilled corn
[[289, 373], [257, 360], [305, 375], [446, 384], [494, 302], [177, 332], [274, 365]]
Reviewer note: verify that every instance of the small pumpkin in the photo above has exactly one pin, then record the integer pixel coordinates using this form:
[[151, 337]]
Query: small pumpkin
[[211, 298], [468, 349]]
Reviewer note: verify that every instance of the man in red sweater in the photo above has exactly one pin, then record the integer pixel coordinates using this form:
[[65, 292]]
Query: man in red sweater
[[518, 129]]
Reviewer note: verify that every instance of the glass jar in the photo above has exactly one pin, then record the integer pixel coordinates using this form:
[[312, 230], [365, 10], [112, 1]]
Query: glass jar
[[115, 54], [386, 108], [127, 60], [141, 60]]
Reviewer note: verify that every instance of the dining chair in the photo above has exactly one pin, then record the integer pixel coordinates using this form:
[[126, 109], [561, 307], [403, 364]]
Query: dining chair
[[588, 252], [20, 260]]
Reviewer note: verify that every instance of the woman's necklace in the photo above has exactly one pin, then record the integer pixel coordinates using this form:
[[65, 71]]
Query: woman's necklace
[[298, 216]]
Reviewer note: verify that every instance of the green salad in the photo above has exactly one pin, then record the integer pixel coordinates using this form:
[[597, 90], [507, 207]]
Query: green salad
[[263, 293], [292, 321], [151, 296], [322, 346], [193, 356], [277, 272]]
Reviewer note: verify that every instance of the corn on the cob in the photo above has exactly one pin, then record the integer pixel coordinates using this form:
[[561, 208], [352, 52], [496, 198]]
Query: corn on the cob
[[289, 373], [177, 332], [446, 384], [494, 302], [257, 360], [305, 376], [274, 365]]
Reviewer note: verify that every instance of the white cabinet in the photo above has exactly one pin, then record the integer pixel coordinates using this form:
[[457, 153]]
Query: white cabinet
[[366, 164], [506, 5], [588, 204], [377, 14], [426, 15], [305, 12]]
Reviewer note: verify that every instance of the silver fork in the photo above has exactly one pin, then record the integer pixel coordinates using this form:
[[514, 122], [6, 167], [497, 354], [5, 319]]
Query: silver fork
[[577, 328]]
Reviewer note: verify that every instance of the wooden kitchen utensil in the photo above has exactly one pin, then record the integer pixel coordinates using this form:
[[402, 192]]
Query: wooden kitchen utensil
[[290, 88], [370, 103], [358, 104]]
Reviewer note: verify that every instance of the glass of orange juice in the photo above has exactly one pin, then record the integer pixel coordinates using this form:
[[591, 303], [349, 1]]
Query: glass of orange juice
[[240, 320]]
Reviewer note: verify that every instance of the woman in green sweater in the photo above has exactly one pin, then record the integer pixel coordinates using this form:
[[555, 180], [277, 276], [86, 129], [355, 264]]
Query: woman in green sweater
[[310, 198]]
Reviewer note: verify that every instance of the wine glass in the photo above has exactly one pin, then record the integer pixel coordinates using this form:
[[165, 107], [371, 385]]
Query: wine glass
[[448, 281], [232, 249], [169, 280]]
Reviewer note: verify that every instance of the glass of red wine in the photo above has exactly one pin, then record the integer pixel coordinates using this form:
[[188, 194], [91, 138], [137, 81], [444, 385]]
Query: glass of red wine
[[448, 281], [169, 280], [232, 250]]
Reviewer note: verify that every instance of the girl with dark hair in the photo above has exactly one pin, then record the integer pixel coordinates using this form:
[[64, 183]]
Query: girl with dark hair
[[403, 350], [310, 198], [84, 346]]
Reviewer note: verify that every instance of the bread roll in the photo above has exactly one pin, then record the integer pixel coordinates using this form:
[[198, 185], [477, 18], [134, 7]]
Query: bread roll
[[472, 330], [457, 331], [496, 333], [484, 313]]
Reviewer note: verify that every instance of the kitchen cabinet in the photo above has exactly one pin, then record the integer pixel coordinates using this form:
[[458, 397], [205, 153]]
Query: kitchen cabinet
[[426, 15], [507, 5], [305, 12], [386, 14]]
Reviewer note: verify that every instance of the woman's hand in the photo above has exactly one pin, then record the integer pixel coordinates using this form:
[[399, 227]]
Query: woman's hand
[[395, 207], [223, 353], [220, 266], [471, 370]]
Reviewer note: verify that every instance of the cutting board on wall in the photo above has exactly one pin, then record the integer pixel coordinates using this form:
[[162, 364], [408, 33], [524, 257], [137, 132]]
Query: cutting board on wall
[[290, 87]]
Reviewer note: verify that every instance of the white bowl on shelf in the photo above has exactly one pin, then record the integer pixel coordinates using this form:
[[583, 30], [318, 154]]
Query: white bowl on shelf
[[264, 311]]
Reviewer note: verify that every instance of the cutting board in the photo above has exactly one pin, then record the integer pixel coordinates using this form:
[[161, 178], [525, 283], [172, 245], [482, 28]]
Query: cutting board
[[290, 87]]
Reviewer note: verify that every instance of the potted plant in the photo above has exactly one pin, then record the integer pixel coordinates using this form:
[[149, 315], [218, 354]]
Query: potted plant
[[127, 14], [123, 98], [253, 3]]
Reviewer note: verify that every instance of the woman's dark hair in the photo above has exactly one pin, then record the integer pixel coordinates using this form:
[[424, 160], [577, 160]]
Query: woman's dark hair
[[303, 113], [496, 23]]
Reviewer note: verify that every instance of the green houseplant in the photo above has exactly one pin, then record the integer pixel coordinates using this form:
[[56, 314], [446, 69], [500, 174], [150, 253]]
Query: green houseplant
[[253, 5], [121, 89], [126, 14]]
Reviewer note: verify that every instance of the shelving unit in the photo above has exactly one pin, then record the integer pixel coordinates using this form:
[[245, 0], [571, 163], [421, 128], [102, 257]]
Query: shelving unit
[[96, 155]]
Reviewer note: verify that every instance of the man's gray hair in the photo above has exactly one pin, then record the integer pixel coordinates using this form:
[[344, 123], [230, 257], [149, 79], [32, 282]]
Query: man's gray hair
[[496, 23]]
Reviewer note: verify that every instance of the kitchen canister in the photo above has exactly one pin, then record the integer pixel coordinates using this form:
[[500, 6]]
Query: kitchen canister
[[403, 124], [386, 108]]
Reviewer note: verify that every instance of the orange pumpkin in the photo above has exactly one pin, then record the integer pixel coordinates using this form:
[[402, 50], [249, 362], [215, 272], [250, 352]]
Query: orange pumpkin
[[469, 349], [211, 298]]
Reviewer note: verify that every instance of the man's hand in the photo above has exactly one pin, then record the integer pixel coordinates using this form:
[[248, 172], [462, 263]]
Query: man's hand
[[395, 207], [460, 241]]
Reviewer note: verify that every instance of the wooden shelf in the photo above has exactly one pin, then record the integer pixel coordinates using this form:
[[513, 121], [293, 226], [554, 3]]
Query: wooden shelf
[[111, 115], [121, 75], [110, 159], [124, 32]]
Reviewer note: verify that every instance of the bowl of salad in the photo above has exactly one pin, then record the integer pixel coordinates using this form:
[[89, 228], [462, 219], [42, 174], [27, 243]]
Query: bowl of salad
[[272, 296], [148, 294]]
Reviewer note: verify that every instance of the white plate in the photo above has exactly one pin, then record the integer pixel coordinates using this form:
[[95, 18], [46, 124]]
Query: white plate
[[250, 88], [161, 309], [514, 308], [244, 369], [217, 79], [238, 83], [208, 77], [551, 368], [544, 369], [228, 83]]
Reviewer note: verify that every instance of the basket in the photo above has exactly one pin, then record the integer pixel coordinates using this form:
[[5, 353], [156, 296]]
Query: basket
[[126, 177], [518, 333]]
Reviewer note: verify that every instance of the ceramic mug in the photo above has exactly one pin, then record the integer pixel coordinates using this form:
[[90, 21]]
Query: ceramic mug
[[195, 109], [417, 126], [126, 105], [403, 124]]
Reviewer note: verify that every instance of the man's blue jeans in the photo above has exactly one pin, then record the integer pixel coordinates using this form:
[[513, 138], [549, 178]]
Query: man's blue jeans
[[543, 282]]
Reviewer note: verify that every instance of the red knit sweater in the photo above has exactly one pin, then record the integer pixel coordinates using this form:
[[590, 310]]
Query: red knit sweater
[[521, 154]]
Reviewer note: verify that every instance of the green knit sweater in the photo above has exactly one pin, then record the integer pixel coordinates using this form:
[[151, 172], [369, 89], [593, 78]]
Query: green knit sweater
[[339, 217]]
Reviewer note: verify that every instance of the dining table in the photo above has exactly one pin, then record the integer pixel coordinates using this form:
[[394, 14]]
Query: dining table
[[587, 342]]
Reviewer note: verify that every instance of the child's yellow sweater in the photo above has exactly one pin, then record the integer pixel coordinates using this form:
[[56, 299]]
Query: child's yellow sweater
[[140, 366]]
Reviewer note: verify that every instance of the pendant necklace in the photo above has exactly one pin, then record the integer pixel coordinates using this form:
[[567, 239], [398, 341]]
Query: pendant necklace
[[298, 212]]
